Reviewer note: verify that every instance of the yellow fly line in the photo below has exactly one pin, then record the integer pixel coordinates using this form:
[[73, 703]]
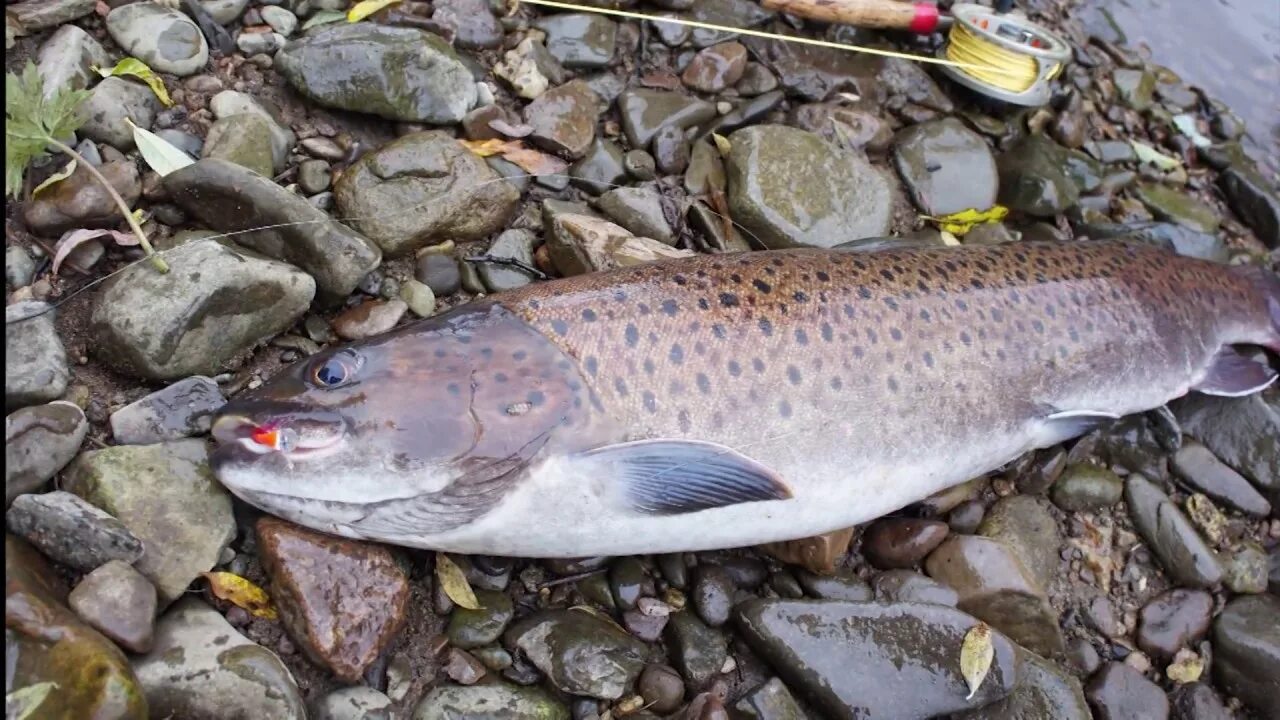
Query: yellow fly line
[[1018, 72], [991, 65]]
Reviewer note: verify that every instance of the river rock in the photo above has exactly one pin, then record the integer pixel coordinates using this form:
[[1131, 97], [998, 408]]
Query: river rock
[[994, 585], [1198, 701], [905, 655], [818, 554], [80, 202], [1197, 466], [580, 244], [716, 67], [1173, 539], [601, 169], [646, 111], [180, 410], [118, 602], [1033, 177], [369, 319], [639, 210], [1025, 525], [353, 703], [46, 642], [1246, 641], [244, 139], [1173, 620], [696, 650], [201, 668], [490, 701], [35, 362], [33, 16], [514, 244], [66, 60], [1134, 88], [38, 442], [228, 198], [841, 585], [342, 601], [946, 167], [1241, 432], [813, 74], [70, 531], [470, 629], [1084, 487], [1118, 692], [564, 119], [1255, 201], [1044, 690], [908, 586], [166, 40], [580, 653], [229, 103], [901, 542], [1181, 240], [1244, 568], [421, 189], [579, 40], [473, 24], [770, 701], [399, 73], [792, 188], [167, 496], [1178, 207], [215, 302], [712, 594], [109, 103]]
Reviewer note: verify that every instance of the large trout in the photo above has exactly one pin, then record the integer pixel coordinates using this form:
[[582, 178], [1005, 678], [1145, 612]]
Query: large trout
[[729, 400]]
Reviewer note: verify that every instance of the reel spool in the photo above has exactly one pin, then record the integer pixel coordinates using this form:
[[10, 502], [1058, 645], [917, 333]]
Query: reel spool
[[1023, 56]]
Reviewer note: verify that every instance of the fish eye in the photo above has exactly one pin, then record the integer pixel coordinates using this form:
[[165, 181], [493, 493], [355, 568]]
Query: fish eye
[[335, 370]]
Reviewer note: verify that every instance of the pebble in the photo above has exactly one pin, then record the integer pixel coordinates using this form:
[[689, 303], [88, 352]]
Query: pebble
[[841, 585], [646, 627], [901, 542], [1173, 539], [323, 148], [640, 165], [35, 362], [455, 702], [628, 582], [1245, 569], [965, 518], [716, 68], [472, 22], [1239, 431], [470, 629], [580, 653], [1173, 620], [564, 119], [19, 268], [462, 668], [1118, 692], [639, 210], [910, 586], [39, 441], [515, 244], [369, 318], [712, 594], [280, 20], [1033, 177], [80, 201], [118, 602], [946, 167], [661, 687], [1085, 487], [1196, 465], [756, 80], [342, 601], [110, 102], [644, 112], [671, 151], [166, 40], [67, 59], [1246, 641], [71, 531], [579, 40], [313, 176], [1198, 701], [1026, 526], [696, 650], [439, 273], [419, 298], [352, 703], [180, 410]]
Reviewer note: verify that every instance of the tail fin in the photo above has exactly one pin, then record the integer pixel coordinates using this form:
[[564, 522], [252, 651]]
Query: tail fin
[[1267, 284]]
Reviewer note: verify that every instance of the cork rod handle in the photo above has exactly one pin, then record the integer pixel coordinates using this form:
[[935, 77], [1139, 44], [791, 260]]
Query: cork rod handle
[[879, 14]]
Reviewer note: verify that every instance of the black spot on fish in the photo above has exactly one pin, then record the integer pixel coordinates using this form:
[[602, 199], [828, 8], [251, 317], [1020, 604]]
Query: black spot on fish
[[589, 315], [823, 277], [734, 368], [648, 366], [486, 353], [863, 292], [793, 374], [534, 305], [802, 338], [858, 351], [887, 274], [643, 308], [719, 331], [703, 383], [871, 336], [827, 332], [454, 389], [895, 333], [928, 358], [836, 383], [619, 296], [800, 296], [560, 326], [620, 386], [893, 385], [757, 364], [784, 408], [591, 364], [762, 286], [966, 338], [677, 354], [685, 423], [728, 299], [501, 377], [650, 401], [441, 352], [519, 355], [632, 334], [536, 398], [669, 308], [766, 327], [1037, 326], [848, 310], [703, 304], [680, 280], [893, 304]]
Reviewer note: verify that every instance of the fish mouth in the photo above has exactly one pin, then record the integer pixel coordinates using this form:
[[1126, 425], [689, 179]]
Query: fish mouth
[[294, 436]]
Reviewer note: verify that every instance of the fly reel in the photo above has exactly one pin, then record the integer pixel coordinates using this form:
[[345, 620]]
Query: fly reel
[[1002, 56]]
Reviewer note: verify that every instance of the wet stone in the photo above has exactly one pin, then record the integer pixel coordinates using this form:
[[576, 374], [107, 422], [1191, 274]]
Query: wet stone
[[1257, 204], [901, 542], [119, 603], [1033, 178], [475, 628], [841, 585], [19, 268], [1198, 701], [564, 119], [397, 73], [814, 74], [438, 272], [646, 627], [40, 441], [905, 654], [644, 112], [749, 112], [1173, 539], [200, 666], [756, 80], [167, 496], [716, 67], [770, 701], [1084, 171], [1134, 88], [817, 554], [580, 40], [419, 298], [1240, 431], [639, 210], [369, 318], [792, 188], [180, 410], [671, 150], [490, 701], [712, 594], [908, 586], [80, 202], [353, 703], [1177, 238], [1244, 569], [35, 362], [1173, 620], [1025, 525], [166, 40], [516, 244], [109, 103], [966, 517], [462, 668], [1086, 487], [1118, 692], [696, 650], [640, 165], [628, 581], [472, 22], [601, 169], [229, 103], [579, 653], [1246, 641], [661, 687], [1044, 690], [70, 531], [946, 167], [342, 601], [1197, 466], [1165, 203], [422, 189], [313, 176]]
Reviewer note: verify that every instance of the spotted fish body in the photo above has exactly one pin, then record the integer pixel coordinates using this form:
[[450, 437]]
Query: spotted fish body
[[729, 400]]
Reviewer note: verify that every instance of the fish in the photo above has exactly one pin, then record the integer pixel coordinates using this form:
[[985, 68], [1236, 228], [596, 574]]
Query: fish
[[735, 399]]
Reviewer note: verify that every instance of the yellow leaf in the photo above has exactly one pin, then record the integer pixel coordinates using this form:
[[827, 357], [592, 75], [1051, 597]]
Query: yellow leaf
[[722, 144], [23, 702], [57, 177], [1185, 668], [139, 69], [365, 8], [976, 654], [485, 148], [534, 162], [948, 238], [242, 593], [962, 222], [454, 583]]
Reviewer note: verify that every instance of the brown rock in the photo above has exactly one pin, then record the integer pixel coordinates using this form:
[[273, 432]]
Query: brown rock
[[369, 318], [118, 602], [901, 542], [463, 668], [564, 119], [80, 202], [1118, 692], [716, 68], [816, 554], [1174, 620], [342, 601]]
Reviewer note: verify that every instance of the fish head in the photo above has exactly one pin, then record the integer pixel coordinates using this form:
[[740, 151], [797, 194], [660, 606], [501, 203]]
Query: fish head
[[445, 405]]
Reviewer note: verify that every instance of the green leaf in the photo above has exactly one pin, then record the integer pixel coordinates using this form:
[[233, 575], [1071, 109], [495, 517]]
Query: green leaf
[[324, 17], [23, 702], [1148, 154], [33, 121], [136, 68], [162, 156], [55, 178], [365, 8]]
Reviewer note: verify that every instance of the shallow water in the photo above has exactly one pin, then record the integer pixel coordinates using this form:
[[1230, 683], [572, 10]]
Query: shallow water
[[1229, 48]]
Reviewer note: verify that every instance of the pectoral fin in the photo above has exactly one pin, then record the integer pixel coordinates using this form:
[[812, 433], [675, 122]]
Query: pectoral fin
[[1231, 374], [671, 477], [1066, 424]]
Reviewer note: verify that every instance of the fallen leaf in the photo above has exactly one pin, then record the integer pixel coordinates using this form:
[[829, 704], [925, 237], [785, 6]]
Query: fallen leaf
[[722, 144], [324, 17], [962, 222], [365, 8], [454, 583], [976, 654], [72, 239], [1148, 154], [55, 178], [21, 703], [534, 162], [849, 97], [137, 68], [1187, 667], [485, 148], [159, 153], [511, 131], [948, 238], [242, 593], [1186, 124]]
